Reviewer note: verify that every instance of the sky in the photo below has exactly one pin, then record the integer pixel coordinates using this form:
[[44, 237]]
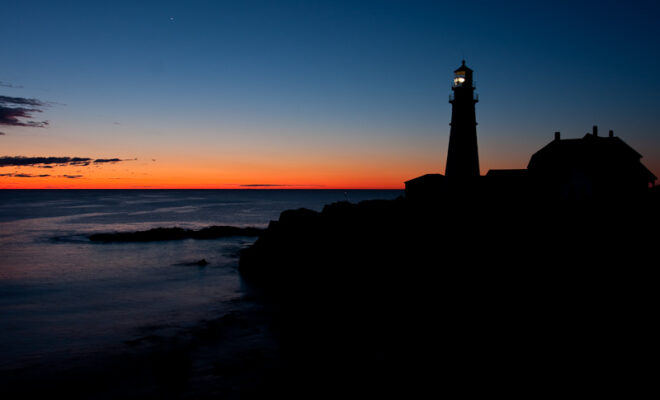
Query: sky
[[310, 94]]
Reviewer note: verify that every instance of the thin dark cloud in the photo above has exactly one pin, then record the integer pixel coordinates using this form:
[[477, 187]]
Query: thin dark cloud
[[260, 185], [266, 185], [7, 100], [23, 175], [20, 175], [19, 161], [107, 160], [18, 111], [49, 162], [9, 85], [2, 133], [12, 117]]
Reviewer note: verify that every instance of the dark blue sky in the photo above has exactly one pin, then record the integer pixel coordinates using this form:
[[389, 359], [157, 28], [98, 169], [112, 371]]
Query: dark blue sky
[[180, 80]]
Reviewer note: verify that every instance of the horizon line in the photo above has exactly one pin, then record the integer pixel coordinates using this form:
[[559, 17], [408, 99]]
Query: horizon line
[[174, 188]]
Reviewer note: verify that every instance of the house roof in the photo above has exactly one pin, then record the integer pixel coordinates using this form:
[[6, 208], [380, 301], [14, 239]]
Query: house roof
[[586, 147], [507, 173], [590, 151], [428, 178]]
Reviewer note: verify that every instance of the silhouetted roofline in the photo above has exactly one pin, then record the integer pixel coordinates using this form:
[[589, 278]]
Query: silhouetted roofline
[[576, 146], [463, 67], [427, 177], [615, 139], [584, 151]]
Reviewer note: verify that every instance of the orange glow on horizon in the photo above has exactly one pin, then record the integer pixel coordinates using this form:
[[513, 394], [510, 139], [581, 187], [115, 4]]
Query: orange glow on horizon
[[324, 165], [64, 183], [196, 177], [386, 170]]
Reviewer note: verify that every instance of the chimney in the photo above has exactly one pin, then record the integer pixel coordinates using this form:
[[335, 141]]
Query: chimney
[[611, 133], [595, 130], [557, 135]]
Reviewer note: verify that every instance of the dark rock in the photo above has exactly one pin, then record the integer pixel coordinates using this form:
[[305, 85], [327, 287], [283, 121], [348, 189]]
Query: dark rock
[[454, 292], [141, 236], [158, 234], [200, 263]]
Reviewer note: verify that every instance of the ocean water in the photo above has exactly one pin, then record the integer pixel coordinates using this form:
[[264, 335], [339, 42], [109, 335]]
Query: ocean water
[[63, 297]]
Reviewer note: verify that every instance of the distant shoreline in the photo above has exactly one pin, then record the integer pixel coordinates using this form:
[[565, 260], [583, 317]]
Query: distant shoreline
[[174, 233]]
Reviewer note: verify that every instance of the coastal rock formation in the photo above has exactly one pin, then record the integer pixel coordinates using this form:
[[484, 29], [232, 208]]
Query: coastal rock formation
[[157, 234], [460, 293], [518, 282], [199, 263]]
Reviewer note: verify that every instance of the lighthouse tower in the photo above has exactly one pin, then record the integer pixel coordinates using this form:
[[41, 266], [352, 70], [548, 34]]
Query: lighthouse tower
[[462, 156]]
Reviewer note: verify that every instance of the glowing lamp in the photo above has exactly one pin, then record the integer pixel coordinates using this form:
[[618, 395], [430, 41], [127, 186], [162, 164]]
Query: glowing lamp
[[459, 78]]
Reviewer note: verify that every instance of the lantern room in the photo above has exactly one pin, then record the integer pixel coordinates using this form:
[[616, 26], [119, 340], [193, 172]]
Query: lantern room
[[463, 76]]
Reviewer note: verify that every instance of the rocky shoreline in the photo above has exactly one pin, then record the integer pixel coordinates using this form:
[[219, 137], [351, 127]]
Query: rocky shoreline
[[404, 297]]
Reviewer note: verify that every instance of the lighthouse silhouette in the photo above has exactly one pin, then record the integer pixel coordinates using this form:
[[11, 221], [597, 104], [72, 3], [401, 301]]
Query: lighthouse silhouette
[[463, 156], [568, 170]]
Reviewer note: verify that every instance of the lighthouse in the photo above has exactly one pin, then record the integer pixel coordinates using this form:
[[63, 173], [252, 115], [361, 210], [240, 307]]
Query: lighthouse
[[463, 156]]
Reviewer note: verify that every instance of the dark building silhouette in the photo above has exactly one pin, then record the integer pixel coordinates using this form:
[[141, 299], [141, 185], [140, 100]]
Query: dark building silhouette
[[508, 184], [462, 168], [593, 166], [568, 169], [427, 187], [462, 156]]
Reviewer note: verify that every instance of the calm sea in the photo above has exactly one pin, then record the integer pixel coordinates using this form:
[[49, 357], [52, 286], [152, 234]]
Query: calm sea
[[63, 297]]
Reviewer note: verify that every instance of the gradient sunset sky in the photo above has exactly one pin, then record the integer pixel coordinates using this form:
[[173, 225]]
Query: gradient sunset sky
[[309, 94]]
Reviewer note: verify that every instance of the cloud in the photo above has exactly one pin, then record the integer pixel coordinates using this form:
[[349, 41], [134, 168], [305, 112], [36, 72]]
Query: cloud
[[25, 175], [11, 117], [2, 133], [261, 185], [9, 85], [22, 175], [107, 160], [18, 111], [6, 100], [48, 162], [20, 161]]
